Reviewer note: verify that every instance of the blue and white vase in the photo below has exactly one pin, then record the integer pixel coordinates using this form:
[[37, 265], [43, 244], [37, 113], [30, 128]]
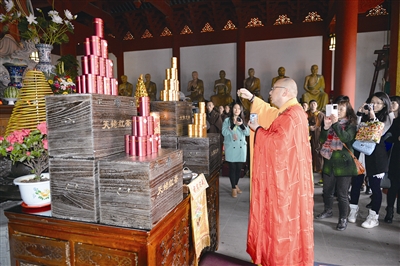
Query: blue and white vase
[[16, 73], [44, 54]]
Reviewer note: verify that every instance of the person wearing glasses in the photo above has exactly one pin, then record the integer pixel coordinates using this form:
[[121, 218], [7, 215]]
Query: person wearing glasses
[[377, 106], [280, 230]]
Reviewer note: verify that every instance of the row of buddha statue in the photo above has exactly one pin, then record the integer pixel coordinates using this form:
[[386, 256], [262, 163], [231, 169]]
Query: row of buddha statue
[[314, 86]]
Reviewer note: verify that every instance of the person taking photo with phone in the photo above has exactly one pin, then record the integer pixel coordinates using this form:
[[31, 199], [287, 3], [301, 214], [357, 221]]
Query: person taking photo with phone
[[377, 106], [235, 131], [338, 132]]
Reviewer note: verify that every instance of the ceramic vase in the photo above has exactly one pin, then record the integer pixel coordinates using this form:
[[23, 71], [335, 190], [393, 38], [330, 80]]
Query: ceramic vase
[[34, 194], [16, 73], [44, 54]]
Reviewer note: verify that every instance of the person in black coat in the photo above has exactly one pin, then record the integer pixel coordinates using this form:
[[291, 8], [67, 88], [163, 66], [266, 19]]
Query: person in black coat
[[377, 106], [213, 119], [394, 165]]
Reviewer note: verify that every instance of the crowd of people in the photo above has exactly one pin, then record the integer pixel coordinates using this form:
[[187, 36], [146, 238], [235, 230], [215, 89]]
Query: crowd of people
[[306, 140]]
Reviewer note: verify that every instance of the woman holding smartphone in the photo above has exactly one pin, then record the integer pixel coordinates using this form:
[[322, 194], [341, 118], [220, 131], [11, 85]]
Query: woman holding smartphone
[[235, 131], [377, 106], [337, 133]]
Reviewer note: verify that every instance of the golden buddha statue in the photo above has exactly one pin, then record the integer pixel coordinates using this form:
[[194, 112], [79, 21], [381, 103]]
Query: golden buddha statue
[[151, 87], [253, 85], [196, 88], [314, 86], [281, 75], [125, 88], [222, 90]]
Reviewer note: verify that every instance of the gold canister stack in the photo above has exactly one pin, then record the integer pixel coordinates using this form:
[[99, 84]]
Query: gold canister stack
[[171, 83], [199, 126]]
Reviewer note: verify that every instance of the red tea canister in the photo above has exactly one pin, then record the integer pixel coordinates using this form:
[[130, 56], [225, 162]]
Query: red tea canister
[[132, 146], [109, 68], [78, 84], [150, 125], [100, 85], [156, 121], [158, 138], [95, 45], [107, 86], [104, 48], [141, 125], [141, 149], [127, 145], [87, 46], [144, 106], [93, 62], [85, 65], [102, 66], [134, 126], [148, 145], [114, 86], [98, 27], [154, 143], [91, 83], [83, 84]]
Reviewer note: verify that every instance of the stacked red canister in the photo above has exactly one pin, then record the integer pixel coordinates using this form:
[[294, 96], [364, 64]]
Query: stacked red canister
[[145, 138], [97, 68]]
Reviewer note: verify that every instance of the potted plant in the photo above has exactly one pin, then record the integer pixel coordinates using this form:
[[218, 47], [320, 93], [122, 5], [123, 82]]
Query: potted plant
[[30, 148]]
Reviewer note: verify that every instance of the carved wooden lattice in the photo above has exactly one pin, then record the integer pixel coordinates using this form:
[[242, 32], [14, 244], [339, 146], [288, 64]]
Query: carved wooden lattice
[[229, 26], [166, 32], [207, 28], [147, 35], [128, 36], [283, 20], [186, 30], [254, 23], [379, 10], [313, 17]]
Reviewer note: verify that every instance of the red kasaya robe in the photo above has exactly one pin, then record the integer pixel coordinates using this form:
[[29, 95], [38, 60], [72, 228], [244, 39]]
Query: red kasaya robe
[[280, 228]]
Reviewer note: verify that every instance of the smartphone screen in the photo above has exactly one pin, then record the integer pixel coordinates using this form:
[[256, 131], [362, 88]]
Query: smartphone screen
[[331, 109], [253, 117]]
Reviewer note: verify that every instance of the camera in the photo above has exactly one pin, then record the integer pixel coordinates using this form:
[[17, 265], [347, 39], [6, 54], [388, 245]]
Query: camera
[[239, 119], [369, 106]]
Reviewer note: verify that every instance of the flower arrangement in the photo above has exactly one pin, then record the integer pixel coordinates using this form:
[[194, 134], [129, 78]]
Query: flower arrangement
[[48, 29], [62, 85], [28, 147]]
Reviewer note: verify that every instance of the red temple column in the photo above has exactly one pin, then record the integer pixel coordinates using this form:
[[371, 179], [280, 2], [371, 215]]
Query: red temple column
[[346, 46]]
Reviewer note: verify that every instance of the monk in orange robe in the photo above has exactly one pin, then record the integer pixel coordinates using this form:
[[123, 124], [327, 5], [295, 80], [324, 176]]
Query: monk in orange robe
[[280, 228]]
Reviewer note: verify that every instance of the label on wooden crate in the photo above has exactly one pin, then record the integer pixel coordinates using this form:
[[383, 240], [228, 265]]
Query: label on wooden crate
[[88, 126], [139, 191], [174, 117]]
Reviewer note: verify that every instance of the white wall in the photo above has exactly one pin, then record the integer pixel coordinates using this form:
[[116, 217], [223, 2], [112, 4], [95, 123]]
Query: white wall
[[367, 43], [208, 60], [296, 55], [154, 62]]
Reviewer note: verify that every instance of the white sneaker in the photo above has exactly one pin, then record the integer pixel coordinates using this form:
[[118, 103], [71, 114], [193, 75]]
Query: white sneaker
[[372, 220], [353, 213]]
